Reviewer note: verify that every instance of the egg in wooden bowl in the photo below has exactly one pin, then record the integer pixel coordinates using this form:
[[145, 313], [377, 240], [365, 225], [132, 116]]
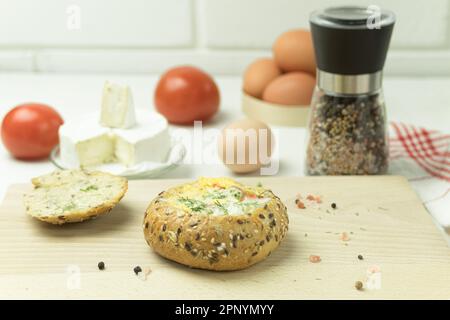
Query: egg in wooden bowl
[[258, 75], [278, 90], [215, 224]]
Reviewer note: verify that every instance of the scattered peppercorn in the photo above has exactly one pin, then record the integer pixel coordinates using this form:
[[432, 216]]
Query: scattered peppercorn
[[101, 265], [360, 257], [333, 205], [359, 285], [137, 269]]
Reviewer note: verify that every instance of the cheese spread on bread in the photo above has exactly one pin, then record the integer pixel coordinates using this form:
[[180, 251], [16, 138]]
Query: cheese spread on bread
[[65, 196]]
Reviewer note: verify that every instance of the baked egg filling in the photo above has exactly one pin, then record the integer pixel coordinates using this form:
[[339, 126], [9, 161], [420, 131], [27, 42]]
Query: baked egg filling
[[219, 197]]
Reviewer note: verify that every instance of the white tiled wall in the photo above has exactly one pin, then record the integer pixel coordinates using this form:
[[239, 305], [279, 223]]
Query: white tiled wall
[[420, 25], [95, 23], [222, 36]]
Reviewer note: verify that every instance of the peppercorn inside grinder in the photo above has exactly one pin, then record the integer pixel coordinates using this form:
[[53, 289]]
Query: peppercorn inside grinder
[[347, 132]]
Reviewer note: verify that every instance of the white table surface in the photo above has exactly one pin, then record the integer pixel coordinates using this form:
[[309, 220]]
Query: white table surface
[[419, 101]]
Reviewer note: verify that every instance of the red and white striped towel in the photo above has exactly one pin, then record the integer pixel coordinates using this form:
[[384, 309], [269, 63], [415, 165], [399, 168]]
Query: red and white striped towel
[[423, 156], [428, 148]]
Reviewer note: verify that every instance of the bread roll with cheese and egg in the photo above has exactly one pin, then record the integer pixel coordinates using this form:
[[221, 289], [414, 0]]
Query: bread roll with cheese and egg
[[215, 224]]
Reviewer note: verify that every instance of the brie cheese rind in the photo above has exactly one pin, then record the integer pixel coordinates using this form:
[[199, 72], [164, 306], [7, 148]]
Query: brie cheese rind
[[117, 107], [87, 143], [149, 140]]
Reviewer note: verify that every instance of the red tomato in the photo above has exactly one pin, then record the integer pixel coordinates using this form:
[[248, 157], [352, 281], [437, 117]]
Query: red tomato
[[186, 94], [30, 131]]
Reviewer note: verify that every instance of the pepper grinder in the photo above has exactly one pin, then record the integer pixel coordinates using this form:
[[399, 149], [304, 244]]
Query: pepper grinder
[[347, 133]]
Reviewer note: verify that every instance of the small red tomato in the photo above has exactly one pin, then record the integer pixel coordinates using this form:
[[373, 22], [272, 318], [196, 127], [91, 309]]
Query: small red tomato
[[185, 94], [30, 130]]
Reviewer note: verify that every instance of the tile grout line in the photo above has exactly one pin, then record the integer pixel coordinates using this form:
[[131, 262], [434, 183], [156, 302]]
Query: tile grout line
[[198, 24]]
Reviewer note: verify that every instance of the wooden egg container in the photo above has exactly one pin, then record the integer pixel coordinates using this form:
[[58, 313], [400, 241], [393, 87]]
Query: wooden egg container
[[275, 114]]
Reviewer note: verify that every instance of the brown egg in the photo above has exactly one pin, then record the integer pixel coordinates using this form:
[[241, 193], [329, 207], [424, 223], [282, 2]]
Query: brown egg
[[293, 88], [245, 145], [293, 51], [258, 75]]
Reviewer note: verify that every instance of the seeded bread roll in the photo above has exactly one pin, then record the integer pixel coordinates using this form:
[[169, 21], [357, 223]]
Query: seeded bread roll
[[215, 224], [73, 195]]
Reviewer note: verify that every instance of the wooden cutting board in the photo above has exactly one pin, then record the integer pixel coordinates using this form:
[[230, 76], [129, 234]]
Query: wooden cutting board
[[383, 217]]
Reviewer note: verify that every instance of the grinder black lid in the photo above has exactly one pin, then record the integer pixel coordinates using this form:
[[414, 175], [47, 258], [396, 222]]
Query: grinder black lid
[[351, 40]]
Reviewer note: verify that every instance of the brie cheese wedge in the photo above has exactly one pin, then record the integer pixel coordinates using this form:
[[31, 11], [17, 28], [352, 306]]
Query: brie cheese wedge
[[149, 140], [86, 143], [117, 107]]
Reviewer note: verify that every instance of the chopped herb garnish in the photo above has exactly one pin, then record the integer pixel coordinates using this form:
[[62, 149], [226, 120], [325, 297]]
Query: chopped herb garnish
[[216, 195], [249, 203], [69, 207], [217, 201], [194, 205], [90, 188], [221, 206], [236, 193]]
